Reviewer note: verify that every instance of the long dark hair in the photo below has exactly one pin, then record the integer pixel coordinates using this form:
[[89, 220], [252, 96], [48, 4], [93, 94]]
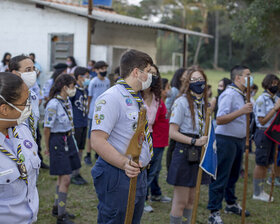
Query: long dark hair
[[56, 73], [185, 90], [176, 80], [4, 58], [73, 61], [156, 89], [10, 87], [60, 82]]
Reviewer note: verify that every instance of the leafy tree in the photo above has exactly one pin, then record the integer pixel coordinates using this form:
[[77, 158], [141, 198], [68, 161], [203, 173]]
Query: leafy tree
[[258, 22]]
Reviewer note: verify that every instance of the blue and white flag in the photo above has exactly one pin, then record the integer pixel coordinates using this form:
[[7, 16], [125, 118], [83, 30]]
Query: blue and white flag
[[209, 162]]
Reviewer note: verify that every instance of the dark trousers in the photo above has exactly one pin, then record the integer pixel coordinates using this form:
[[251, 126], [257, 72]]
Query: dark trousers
[[112, 187], [229, 153], [153, 172], [38, 141]]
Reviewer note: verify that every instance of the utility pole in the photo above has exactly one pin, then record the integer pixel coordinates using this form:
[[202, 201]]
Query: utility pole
[[90, 3]]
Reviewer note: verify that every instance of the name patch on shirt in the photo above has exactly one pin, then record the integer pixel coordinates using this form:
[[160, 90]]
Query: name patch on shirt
[[6, 172]]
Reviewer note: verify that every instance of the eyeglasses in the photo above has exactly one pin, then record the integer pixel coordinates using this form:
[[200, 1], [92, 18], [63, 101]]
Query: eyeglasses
[[197, 80], [27, 104], [153, 74]]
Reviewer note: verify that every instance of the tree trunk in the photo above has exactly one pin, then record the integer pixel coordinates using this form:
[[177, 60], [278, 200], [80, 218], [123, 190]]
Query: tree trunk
[[197, 51], [276, 61], [216, 50]]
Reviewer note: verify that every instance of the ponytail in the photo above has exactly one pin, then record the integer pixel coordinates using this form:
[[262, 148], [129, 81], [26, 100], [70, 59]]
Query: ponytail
[[60, 82]]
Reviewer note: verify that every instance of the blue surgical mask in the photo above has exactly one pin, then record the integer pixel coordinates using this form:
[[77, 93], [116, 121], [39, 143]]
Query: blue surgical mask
[[197, 87], [251, 81], [86, 82]]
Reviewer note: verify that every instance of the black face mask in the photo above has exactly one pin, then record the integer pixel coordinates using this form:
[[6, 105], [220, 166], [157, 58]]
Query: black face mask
[[273, 89], [103, 73], [197, 87], [219, 91], [154, 81]]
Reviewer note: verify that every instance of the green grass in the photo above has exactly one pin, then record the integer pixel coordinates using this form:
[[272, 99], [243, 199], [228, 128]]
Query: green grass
[[82, 200]]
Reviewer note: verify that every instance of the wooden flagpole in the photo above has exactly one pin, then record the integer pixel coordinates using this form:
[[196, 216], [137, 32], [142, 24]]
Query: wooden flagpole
[[199, 175], [248, 96], [134, 150], [273, 173]]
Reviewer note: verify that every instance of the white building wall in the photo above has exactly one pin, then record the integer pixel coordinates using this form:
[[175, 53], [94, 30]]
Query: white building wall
[[25, 29], [121, 36]]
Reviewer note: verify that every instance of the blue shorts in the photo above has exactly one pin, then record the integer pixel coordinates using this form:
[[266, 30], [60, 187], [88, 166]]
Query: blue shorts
[[265, 149], [112, 187], [89, 127], [182, 172], [63, 161]]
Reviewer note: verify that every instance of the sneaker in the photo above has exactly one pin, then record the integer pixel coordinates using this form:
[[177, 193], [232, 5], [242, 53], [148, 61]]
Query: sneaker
[[148, 208], [235, 209], [81, 179], [55, 213], [160, 198], [63, 219], [44, 166], [87, 160], [75, 180], [262, 197], [215, 218], [276, 181]]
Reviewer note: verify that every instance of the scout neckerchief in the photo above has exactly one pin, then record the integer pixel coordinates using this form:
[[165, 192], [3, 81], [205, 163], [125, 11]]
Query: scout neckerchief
[[139, 100], [234, 87], [19, 159], [200, 113], [67, 109], [31, 125], [269, 96], [85, 102]]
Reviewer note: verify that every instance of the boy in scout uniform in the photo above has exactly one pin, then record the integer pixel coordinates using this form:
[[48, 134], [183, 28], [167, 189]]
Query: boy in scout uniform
[[114, 124], [230, 137]]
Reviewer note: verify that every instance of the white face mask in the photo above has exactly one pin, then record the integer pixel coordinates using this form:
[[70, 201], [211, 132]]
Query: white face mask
[[146, 84], [29, 78], [71, 92], [24, 114]]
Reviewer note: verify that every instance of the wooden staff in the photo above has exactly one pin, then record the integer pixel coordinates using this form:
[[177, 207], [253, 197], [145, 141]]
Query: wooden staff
[[134, 150], [246, 154], [199, 175], [273, 173]]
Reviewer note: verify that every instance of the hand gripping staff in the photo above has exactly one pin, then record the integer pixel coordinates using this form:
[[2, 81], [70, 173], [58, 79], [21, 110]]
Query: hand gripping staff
[[134, 150]]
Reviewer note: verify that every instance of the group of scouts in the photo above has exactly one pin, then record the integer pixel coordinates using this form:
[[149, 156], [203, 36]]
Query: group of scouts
[[74, 103]]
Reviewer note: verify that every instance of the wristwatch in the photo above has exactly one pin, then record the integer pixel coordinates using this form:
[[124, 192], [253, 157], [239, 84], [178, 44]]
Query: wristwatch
[[193, 141]]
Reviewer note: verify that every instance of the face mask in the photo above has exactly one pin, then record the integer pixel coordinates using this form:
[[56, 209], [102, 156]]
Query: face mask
[[273, 89], [146, 84], [219, 91], [169, 93], [89, 67], [154, 80], [251, 81], [197, 87], [29, 78], [103, 74], [71, 92], [86, 82], [68, 63], [24, 114], [253, 93]]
